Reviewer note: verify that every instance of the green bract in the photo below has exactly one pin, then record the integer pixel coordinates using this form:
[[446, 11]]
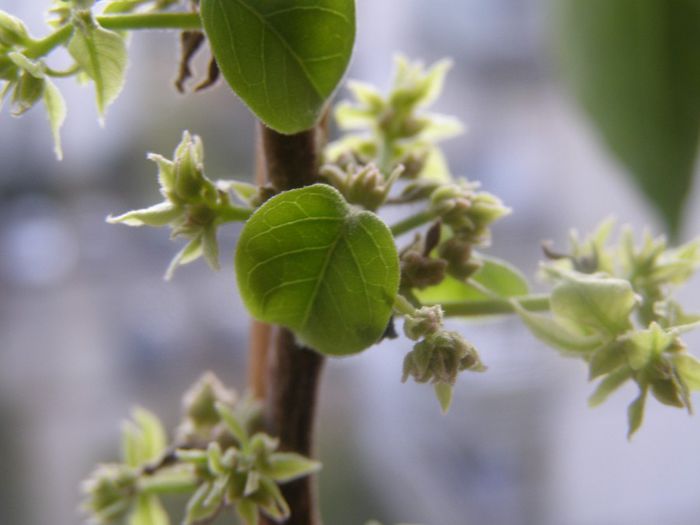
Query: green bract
[[284, 58], [309, 261]]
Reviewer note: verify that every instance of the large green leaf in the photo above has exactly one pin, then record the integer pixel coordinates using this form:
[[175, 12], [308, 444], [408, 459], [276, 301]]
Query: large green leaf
[[102, 56], [284, 58], [309, 261], [635, 67]]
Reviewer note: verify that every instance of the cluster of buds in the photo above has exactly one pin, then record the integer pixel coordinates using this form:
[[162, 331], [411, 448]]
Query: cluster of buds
[[419, 269], [364, 186], [394, 129], [117, 491], [468, 212], [438, 355], [194, 206], [25, 80], [245, 475], [233, 468]]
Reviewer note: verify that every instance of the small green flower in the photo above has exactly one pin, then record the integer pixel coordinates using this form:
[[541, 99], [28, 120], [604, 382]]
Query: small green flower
[[361, 185], [194, 206], [611, 307]]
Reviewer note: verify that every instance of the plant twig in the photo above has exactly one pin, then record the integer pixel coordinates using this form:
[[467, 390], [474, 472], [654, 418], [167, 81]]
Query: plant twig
[[294, 372]]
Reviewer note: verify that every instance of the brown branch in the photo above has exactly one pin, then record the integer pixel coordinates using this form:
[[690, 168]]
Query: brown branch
[[260, 333], [293, 372], [290, 412]]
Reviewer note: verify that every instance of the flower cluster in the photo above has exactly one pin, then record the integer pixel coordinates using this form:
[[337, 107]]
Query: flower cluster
[[613, 307], [438, 355], [193, 206], [214, 457]]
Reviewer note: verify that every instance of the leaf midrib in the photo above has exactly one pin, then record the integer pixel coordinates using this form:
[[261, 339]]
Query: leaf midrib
[[267, 24], [322, 276]]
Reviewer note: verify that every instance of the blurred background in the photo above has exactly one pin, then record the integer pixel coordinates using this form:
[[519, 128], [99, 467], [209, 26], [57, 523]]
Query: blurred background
[[88, 327]]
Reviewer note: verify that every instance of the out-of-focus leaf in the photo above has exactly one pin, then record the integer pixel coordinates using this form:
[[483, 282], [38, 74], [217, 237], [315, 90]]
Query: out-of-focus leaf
[[495, 278], [635, 67]]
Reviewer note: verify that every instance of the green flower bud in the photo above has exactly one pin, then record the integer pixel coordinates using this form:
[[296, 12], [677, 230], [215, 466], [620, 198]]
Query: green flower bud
[[199, 405], [457, 251], [440, 357], [423, 322], [13, 32], [190, 182], [110, 492], [365, 186], [421, 271]]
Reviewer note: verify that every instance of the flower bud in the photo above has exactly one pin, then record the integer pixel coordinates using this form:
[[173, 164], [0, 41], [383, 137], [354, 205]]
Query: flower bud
[[457, 251], [423, 322], [190, 182], [440, 357], [421, 271], [13, 32], [199, 407], [110, 491]]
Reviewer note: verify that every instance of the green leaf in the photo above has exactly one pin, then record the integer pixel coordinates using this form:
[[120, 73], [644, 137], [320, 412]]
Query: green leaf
[[284, 58], [56, 112], [450, 290], [288, 466], [148, 511], [635, 67], [599, 304], [330, 272], [102, 56], [495, 278]]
